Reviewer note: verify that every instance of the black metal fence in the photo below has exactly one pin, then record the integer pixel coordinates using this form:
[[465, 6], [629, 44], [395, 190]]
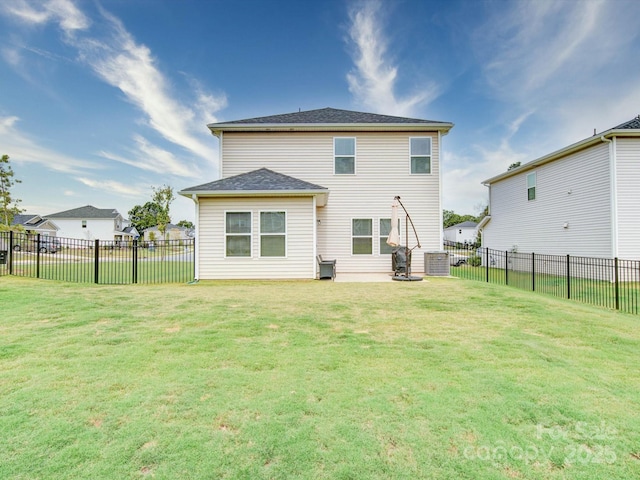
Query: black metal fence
[[605, 282], [96, 261]]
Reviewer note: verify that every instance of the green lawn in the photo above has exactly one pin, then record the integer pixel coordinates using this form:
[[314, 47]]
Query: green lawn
[[441, 379]]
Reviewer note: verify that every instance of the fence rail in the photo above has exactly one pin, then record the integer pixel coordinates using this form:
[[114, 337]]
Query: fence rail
[[96, 261], [606, 282]]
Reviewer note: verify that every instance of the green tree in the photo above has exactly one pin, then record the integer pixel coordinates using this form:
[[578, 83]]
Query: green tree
[[8, 204], [144, 216], [185, 224], [163, 196]]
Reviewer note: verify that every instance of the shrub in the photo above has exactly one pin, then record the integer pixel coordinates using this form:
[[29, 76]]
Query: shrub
[[474, 261]]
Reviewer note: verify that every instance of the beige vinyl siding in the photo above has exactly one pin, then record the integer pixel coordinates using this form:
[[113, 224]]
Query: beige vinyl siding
[[299, 261], [628, 193], [573, 190], [382, 172]]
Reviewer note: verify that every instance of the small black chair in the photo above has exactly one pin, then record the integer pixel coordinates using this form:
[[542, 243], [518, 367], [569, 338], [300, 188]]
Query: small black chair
[[327, 268]]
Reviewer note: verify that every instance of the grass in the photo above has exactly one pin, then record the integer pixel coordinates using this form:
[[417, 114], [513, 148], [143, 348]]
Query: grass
[[439, 379], [594, 292]]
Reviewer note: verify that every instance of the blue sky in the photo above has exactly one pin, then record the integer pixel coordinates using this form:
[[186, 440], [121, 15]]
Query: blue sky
[[101, 100]]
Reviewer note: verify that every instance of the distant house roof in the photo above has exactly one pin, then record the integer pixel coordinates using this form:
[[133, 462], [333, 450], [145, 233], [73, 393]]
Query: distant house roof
[[467, 224], [28, 220], [87, 211], [170, 226], [34, 222], [261, 182], [329, 118], [626, 129]]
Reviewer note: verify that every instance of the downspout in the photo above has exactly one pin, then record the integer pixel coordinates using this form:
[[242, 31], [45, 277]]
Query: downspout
[[315, 238], [440, 214], [613, 185], [196, 250]]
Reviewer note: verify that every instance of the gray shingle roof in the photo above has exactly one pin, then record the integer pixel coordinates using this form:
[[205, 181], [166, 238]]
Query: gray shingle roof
[[631, 124], [257, 180], [87, 211], [327, 116], [467, 224], [22, 219]]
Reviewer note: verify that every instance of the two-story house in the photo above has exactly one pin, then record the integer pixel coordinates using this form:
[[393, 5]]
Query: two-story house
[[317, 182], [91, 223], [581, 200]]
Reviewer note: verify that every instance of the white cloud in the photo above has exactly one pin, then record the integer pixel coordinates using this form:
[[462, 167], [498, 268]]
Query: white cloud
[[22, 148], [64, 12], [131, 67], [117, 59], [147, 156], [111, 186], [373, 80]]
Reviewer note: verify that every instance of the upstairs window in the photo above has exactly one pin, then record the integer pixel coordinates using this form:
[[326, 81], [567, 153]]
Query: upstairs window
[[531, 186], [344, 155], [420, 155], [362, 236], [273, 238], [238, 234], [84, 224]]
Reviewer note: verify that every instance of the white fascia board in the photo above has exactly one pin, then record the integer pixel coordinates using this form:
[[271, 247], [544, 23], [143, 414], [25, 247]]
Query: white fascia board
[[575, 147], [443, 127], [321, 195]]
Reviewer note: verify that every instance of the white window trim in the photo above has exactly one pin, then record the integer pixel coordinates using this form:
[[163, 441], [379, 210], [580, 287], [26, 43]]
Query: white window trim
[[250, 234], [372, 236], [430, 155], [355, 156], [285, 233], [535, 185]]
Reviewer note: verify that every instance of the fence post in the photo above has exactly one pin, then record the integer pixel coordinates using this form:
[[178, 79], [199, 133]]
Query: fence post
[[10, 252], [486, 262], [617, 279], [96, 261], [38, 255], [568, 277], [533, 271], [506, 267], [134, 260]]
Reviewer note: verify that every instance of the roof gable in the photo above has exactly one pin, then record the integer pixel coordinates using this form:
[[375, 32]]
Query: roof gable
[[87, 211]]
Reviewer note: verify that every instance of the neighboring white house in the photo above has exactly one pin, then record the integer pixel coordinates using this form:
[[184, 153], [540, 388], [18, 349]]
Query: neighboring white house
[[317, 182], [581, 200], [91, 223], [465, 232], [172, 232], [36, 224]]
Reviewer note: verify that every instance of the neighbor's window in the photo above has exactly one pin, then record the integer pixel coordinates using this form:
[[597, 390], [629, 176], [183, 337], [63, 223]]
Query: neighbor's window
[[238, 234], [385, 229], [420, 155], [362, 236], [273, 230], [344, 154], [84, 224], [531, 186]]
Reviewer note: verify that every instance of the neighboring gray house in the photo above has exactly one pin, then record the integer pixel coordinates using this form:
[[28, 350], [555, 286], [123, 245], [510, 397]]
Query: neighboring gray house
[[582, 200], [317, 182], [172, 232], [465, 232], [91, 223], [36, 224]]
